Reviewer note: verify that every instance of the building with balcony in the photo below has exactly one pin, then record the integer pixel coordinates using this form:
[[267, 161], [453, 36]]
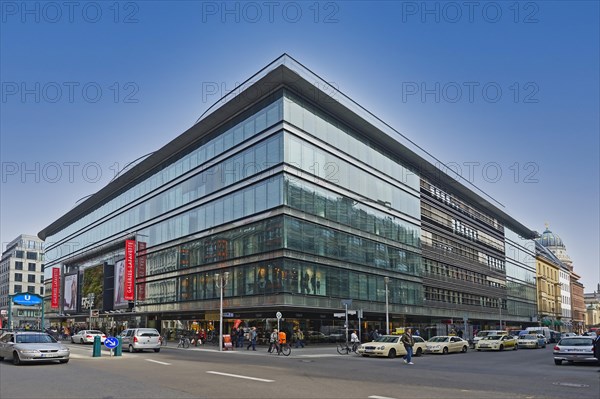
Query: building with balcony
[[306, 200]]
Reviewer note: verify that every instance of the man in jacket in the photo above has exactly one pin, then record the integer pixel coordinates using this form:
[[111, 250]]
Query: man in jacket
[[408, 341], [597, 347]]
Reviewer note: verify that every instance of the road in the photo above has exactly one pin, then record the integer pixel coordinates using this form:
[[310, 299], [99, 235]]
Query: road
[[313, 372]]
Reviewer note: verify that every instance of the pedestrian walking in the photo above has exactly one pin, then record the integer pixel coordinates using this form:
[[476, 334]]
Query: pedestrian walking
[[597, 347], [252, 337], [240, 338], [274, 341], [299, 338], [354, 340], [408, 341]]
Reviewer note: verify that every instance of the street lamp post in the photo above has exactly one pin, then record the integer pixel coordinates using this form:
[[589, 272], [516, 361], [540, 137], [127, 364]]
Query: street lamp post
[[221, 282], [387, 312], [500, 310], [90, 298]]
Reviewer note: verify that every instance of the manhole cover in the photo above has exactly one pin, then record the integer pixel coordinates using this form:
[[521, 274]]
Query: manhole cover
[[571, 384]]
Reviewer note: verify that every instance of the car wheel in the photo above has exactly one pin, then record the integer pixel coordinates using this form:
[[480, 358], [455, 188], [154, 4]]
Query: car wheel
[[478, 350], [464, 349], [557, 362], [1, 358], [72, 340], [445, 351], [392, 353], [515, 348], [501, 348], [81, 341], [419, 352], [365, 355], [16, 359], [157, 350], [64, 361], [131, 350], [537, 346]]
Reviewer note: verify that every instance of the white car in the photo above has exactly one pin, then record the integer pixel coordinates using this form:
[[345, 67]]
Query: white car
[[87, 337], [26, 346], [390, 346], [445, 344]]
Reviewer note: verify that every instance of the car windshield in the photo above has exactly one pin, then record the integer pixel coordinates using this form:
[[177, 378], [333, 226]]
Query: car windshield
[[576, 341], [483, 333], [149, 334], [387, 338], [528, 336], [95, 332], [492, 338], [439, 339], [34, 339]]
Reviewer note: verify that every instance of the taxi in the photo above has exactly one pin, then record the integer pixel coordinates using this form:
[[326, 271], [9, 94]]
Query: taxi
[[497, 343]]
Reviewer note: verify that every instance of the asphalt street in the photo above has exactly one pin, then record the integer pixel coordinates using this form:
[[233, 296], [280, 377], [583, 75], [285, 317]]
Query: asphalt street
[[311, 372]]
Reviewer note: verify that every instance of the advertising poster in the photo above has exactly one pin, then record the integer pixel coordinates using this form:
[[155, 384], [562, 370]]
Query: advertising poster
[[119, 300], [70, 293]]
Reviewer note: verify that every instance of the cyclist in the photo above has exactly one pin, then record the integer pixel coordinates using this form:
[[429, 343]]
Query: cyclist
[[282, 339]]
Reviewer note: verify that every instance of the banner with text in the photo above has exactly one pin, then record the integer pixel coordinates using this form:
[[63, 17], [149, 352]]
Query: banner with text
[[129, 279], [55, 288]]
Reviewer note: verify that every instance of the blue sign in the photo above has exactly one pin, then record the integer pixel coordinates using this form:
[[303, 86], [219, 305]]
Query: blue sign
[[111, 342], [27, 299]]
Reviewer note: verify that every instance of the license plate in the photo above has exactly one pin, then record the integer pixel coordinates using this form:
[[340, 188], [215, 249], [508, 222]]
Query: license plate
[[368, 350]]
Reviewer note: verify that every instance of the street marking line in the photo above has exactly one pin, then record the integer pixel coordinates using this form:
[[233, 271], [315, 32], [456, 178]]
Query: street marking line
[[379, 397], [156, 361], [240, 376]]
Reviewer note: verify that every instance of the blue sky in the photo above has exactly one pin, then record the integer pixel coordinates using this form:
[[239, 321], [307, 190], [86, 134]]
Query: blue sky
[[505, 92]]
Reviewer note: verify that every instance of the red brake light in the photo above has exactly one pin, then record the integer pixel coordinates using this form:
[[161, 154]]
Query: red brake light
[[135, 339], [89, 336], [556, 348]]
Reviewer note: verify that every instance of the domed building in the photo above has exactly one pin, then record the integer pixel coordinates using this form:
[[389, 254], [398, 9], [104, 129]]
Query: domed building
[[555, 244], [572, 305]]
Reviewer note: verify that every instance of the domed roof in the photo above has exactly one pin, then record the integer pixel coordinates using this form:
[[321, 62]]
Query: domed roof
[[549, 239]]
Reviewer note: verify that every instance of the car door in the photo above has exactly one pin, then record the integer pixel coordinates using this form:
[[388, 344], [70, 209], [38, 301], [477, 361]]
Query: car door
[[455, 345], [5, 344], [126, 337]]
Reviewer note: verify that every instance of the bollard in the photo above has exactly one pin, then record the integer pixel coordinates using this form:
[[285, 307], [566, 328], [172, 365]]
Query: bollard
[[97, 347], [119, 348]]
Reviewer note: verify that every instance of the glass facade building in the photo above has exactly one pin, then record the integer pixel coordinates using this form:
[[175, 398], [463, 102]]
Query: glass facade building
[[304, 201]]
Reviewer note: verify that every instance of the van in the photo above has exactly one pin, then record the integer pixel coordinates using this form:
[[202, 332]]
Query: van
[[485, 333], [545, 331], [138, 339]]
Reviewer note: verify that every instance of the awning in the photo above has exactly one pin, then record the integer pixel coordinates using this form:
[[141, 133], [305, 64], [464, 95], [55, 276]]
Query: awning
[[547, 322]]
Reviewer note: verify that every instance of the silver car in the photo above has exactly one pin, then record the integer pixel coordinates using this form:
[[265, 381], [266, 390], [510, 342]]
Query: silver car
[[574, 349], [138, 339], [28, 346]]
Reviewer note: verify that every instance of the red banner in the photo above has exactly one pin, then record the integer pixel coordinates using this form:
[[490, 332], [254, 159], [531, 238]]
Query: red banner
[[141, 271], [129, 279], [55, 288]]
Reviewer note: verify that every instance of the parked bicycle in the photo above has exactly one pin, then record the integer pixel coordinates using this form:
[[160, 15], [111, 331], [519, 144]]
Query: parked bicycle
[[344, 348], [211, 337], [184, 342]]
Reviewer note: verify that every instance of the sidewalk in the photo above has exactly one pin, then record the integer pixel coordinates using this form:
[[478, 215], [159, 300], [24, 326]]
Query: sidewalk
[[320, 350]]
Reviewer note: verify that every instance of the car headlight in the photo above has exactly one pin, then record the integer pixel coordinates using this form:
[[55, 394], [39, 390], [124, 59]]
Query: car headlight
[[28, 351], [380, 348]]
